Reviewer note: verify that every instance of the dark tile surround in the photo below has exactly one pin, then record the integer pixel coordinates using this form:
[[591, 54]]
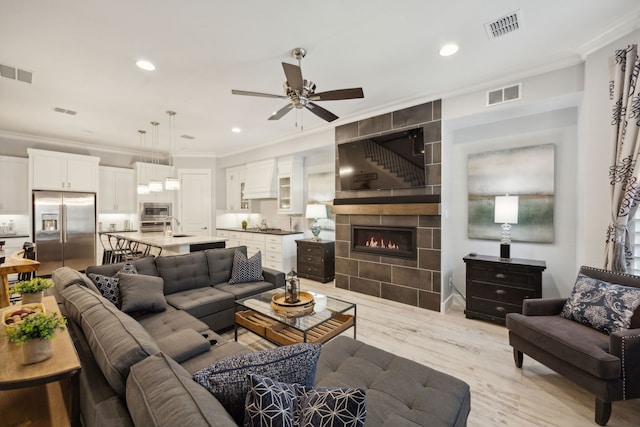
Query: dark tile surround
[[414, 282]]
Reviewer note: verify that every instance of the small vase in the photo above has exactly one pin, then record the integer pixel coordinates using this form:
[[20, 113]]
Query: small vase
[[37, 350], [32, 298]]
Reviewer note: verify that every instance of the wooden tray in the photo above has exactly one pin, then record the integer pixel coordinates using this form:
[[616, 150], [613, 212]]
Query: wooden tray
[[285, 335], [253, 321], [301, 308]]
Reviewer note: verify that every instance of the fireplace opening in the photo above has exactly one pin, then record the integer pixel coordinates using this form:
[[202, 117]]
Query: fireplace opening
[[388, 241]]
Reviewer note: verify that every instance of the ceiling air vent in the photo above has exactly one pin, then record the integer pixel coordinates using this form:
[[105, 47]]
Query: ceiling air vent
[[504, 94], [504, 25], [14, 73], [65, 111]]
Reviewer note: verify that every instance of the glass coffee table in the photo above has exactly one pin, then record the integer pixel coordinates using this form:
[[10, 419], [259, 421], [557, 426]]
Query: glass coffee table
[[329, 318]]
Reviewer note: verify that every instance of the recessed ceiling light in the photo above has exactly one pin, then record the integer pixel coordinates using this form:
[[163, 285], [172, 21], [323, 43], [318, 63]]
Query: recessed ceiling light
[[236, 130], [145, 65], [448, 49]]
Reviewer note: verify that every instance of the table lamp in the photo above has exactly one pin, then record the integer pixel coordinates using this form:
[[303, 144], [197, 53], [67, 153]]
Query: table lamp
[[506, 212], [316, 212]]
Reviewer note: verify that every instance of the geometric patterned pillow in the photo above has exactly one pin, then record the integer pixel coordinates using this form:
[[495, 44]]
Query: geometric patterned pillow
[[246, 270], [108, 286], [271, 403], [601, 305], [226, 379]]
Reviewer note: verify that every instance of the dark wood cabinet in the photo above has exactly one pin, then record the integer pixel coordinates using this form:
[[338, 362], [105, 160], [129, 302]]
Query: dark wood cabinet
[[316, 259], [496, 287]]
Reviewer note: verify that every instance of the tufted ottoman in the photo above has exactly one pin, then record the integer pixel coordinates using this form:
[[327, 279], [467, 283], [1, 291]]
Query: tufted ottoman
[[400, 392]]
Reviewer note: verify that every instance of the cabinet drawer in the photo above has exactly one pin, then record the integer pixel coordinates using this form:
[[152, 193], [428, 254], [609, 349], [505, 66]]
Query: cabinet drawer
[[274, 256], [311, 270], [274, 240], [493, 308], [271, 248], [503, 276], [507, 294], [314, 251], [274, 264]]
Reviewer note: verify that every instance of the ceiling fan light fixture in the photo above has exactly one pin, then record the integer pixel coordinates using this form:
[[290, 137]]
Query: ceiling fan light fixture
[[145, 65], [449, 49]]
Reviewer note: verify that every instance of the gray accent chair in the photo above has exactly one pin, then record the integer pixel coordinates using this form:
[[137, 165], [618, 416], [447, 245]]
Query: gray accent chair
[[608, 366]]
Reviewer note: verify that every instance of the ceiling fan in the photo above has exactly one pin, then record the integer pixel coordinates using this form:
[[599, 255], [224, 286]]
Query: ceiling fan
[[301, 92]]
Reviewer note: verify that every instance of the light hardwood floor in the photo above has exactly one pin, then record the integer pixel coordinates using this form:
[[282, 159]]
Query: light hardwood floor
[[478, 353]]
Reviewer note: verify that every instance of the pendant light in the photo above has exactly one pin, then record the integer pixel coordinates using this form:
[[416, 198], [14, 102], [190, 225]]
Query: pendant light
[[154, 185], [142, 188], [171, 183]]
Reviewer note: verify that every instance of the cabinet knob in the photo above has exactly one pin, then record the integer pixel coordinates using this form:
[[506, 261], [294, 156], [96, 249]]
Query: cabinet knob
[[501, 276], [501, 309], [501, 292]]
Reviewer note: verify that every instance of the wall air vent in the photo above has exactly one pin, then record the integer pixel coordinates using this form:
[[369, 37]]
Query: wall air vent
[[14, 73], [65, 111], [504, 94], [504, 25]]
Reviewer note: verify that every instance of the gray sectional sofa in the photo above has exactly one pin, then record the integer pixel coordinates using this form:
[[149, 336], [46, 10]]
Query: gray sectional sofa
[[137, 369]]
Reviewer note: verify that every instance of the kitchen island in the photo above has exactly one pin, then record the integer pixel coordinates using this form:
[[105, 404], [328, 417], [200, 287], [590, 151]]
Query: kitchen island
[[159, 244]]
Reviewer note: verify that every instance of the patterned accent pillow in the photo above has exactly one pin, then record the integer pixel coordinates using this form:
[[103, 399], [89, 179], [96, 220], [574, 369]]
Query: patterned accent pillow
[[601, 305], [271, 403], [108, 286], [226, 379], [246, 270]]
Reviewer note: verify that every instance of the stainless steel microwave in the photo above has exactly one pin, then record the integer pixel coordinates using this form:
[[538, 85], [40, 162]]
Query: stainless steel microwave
[[154, 211]]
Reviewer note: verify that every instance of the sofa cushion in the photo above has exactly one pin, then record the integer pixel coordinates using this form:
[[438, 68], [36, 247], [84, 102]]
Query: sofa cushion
[[146, 265], [117, 342], [220, 262], [161, 393], [65, 276], [141, 293], [226, 379], [78, 299], [578, 344], [109, 287], [399, 391], [201, 302], [169, 321], [273, 403], [242, 290], [602, 305], [183, 272], [183, 345], [246, 270]]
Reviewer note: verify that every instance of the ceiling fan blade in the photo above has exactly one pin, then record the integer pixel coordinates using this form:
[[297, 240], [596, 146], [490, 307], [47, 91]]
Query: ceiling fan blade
[[294, 76], [265, 95], [321, 112], [281, 112], [334, 95]]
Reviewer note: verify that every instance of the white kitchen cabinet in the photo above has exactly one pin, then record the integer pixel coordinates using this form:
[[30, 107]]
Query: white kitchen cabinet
[[278, 251], [14, 174], [52, 170], [290, 185], [236, 179], [147, 171], [116, 194]]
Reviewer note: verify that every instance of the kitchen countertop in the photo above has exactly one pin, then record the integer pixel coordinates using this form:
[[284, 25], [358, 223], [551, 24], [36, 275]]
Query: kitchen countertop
[[276, 231], [161, 241]]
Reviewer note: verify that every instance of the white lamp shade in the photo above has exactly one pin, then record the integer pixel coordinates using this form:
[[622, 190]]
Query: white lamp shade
[[155, 186], [172, 184], [506, 210], [316, 211]]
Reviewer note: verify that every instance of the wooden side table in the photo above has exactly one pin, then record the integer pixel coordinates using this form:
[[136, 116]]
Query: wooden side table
[[316, 259], [34, 395], [496, 287]]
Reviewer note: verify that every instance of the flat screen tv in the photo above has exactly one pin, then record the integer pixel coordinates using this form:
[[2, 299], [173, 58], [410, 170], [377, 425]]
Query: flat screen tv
[[393, 160]]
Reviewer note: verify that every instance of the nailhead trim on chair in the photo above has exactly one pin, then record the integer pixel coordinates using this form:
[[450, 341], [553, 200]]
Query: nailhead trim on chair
[[624, 372]]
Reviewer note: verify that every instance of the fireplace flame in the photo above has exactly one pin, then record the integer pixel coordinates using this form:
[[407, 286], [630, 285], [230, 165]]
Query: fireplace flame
[[374, 243]]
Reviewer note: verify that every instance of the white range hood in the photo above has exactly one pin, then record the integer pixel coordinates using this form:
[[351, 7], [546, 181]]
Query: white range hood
[[261, 180]]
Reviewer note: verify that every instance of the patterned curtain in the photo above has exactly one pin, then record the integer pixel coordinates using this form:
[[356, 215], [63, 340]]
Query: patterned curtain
[[625, 171]]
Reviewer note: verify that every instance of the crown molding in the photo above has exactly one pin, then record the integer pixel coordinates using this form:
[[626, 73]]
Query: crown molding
[[630, 23]]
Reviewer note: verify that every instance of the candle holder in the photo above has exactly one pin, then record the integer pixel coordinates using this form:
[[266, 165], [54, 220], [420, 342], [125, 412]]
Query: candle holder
[[292, 288]]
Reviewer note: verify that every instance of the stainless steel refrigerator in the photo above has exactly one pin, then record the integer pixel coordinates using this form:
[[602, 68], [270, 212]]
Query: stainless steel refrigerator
[[64, 229]]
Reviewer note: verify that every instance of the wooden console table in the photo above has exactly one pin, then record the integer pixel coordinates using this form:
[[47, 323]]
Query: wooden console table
[[39, 394], [14, 264]]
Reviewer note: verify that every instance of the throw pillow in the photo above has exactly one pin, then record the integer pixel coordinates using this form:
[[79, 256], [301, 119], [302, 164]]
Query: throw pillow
[[108, 286], [272, 403], [246, 270], [226, 379], [141, 293], [601, 305]]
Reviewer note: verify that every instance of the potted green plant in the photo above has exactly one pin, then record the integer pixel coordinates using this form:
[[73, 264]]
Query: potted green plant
[[34, 333], [32, 290], [244, 225]]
